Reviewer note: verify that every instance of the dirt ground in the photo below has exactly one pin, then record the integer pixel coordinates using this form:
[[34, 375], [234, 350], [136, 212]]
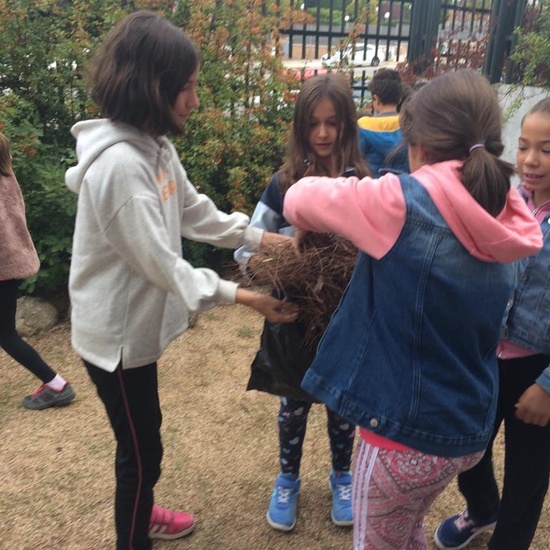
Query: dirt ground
[[56, 466]]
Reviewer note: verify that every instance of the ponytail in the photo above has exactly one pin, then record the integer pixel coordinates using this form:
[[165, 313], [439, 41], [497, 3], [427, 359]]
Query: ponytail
[[480, 167], [446, 116]]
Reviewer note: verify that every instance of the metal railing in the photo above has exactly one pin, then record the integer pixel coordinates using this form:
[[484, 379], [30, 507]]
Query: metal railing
[[398, 30]]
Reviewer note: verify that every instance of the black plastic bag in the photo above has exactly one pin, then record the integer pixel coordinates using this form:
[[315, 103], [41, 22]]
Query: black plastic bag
[[282, 361]]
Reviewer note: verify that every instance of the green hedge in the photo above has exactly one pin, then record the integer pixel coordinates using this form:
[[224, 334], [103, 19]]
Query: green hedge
[[232, 145]]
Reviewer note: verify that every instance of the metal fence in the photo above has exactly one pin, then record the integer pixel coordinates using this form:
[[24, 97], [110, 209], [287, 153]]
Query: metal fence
[[350, 34], [377, 32], [464, 27], [383, 26]]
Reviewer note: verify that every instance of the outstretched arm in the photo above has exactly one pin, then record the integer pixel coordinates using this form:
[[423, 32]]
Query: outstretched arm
[[369, 213], [268, 217]]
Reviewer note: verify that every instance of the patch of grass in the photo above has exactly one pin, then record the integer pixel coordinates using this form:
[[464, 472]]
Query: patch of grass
[[220, 461], [246, 332]]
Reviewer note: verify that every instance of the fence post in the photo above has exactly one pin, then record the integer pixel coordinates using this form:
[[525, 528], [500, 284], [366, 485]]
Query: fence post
[[506, 15], [425, 16]]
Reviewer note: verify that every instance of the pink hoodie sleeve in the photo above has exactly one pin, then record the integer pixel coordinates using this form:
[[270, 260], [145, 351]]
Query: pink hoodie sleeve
[[368, 212]]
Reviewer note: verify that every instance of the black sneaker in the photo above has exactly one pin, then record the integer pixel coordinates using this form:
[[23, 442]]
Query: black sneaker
[[459, 530], [45, 397]]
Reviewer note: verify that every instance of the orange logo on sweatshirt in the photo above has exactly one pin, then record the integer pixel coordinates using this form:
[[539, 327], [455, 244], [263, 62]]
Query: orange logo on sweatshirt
[[168, 188]]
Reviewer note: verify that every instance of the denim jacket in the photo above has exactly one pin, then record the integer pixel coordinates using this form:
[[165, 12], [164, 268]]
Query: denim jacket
[[527, 317], [410, 353]]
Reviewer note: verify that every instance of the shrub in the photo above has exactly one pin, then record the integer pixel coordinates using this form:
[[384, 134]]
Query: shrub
[[532, 51], [236, 140], [233, 143], [44, 45]]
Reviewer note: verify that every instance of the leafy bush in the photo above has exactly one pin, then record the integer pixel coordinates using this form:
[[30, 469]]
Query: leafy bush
[[44, 45], [236, 140], [233, 143], [532, 51]]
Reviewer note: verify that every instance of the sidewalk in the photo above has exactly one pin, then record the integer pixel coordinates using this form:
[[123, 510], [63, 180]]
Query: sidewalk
[[316, 64]]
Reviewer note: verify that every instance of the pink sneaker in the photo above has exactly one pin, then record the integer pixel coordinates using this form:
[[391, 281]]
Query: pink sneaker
[[166, 524]]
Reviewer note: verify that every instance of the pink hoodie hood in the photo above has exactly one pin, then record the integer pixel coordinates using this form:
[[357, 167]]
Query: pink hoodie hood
[[513, 234]]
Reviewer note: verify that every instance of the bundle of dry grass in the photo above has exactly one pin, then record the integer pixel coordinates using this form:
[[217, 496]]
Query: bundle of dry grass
[[315, 277]]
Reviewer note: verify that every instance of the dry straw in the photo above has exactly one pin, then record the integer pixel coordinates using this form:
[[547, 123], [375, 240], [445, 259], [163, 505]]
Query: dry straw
[[315, 277]]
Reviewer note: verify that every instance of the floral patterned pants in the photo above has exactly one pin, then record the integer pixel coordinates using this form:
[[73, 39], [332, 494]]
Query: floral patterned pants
[[393, 490]]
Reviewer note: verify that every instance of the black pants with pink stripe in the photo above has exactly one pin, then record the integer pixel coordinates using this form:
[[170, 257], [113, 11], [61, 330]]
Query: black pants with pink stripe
[[132, 404]]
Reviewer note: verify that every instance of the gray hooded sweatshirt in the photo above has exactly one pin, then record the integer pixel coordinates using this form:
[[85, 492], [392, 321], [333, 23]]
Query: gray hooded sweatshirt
[[130, 288]]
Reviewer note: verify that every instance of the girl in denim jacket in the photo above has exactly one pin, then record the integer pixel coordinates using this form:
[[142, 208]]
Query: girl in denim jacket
[[524, 382], [410, 353]]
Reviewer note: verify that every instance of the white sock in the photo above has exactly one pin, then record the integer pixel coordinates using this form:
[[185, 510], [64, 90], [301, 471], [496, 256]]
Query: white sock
[[58, 383]]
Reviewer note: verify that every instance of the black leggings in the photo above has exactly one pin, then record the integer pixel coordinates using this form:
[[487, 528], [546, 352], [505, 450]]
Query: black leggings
[[10, 340], [132, 404], [526, 464]]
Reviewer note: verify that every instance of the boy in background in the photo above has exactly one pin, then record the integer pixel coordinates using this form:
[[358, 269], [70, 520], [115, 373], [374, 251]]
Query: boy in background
[[380, 133]]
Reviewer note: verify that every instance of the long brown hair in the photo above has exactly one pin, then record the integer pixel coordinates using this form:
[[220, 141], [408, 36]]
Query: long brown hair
[[5, 157], [450, 115], [140, 69], [300, 160]]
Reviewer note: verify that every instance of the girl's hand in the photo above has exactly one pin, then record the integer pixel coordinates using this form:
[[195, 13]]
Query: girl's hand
[[299, 235], [275, 311], [533, 406]]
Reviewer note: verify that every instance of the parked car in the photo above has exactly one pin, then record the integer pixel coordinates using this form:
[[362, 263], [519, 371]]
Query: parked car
[[356, 55]]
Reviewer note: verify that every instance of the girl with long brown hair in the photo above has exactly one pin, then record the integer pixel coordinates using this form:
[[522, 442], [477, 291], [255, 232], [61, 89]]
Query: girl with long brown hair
[[323, 142]]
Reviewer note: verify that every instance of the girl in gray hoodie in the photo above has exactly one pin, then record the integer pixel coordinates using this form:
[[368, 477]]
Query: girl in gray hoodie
[[130, 288]]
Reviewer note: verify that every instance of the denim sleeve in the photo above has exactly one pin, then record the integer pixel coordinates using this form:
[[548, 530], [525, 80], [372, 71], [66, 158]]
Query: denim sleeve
[[268, 215], [544, 379], [263, 218]]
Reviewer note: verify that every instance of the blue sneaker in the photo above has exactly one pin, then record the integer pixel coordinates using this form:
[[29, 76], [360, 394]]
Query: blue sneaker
[[282, 506], [459, 530], [340, 485]]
